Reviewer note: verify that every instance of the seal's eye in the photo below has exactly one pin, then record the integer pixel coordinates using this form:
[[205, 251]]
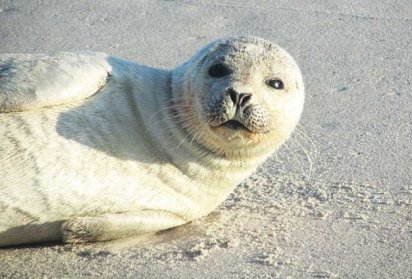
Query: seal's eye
[[219, 70], [275, 83]]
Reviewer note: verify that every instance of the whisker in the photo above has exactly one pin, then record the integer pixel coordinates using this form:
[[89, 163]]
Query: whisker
[[303, 135], [295, 157], [176, 119], [190, 132], [306, 154], [198, 133], [168, 108]]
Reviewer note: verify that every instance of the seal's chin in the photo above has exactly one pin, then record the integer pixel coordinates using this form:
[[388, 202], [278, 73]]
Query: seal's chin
[[235, 126]]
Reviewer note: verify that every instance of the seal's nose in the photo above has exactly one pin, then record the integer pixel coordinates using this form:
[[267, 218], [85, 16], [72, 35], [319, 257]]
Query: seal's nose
[[238, 99]]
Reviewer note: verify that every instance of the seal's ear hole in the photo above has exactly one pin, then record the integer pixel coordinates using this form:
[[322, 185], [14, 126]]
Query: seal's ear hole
[[275, 83], [219, 70]]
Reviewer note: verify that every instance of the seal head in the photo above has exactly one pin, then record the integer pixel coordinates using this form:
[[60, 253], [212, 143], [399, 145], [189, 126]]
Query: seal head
[[245, 94]]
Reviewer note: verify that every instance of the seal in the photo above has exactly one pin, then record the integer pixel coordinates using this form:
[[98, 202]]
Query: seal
[[95, 148]]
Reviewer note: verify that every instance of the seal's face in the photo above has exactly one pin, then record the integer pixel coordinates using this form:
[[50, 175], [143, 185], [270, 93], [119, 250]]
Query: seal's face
[[245, 92]]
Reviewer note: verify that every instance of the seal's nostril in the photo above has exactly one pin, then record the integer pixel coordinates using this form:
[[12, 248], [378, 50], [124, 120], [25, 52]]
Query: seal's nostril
[[234, 96], [239, 100], [244, 98]]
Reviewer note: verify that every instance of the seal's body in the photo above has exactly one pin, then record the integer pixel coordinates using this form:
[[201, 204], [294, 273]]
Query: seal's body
[[94, 148]]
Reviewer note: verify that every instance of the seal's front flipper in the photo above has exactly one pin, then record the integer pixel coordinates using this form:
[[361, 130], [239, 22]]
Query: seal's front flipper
[[33, 81], [115, 226]]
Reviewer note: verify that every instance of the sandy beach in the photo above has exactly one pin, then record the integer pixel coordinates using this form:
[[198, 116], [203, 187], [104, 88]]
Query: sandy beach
[[334, 202]]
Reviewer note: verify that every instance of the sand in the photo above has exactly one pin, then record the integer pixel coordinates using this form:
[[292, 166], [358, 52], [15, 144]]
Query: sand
[[335, 202]]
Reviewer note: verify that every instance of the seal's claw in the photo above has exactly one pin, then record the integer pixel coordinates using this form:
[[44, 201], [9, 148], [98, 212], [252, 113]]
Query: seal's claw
[[81, 230]]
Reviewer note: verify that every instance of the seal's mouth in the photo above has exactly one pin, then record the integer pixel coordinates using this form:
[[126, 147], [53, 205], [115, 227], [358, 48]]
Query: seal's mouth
[[234, 125]]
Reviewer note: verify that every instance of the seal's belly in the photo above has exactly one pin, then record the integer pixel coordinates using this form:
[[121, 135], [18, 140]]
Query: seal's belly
[[56, 165]]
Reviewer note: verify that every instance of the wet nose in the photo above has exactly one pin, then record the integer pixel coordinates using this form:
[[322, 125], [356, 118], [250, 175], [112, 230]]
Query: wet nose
[[238, 99]]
